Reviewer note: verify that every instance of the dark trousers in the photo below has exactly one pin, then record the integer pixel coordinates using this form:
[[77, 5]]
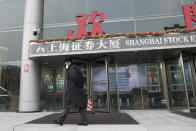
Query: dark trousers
[[64, 114]]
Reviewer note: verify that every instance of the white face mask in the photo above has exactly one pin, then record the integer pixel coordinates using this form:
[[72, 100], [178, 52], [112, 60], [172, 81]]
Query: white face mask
[[67, 67]]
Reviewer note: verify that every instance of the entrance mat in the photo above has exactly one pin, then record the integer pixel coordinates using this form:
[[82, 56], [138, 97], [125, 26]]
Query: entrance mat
[[98, 118], [187, 114]]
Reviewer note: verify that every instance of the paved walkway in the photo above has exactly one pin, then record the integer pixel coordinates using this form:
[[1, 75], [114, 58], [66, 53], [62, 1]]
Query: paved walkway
[[156, 120], [150, 120], [10, 120]]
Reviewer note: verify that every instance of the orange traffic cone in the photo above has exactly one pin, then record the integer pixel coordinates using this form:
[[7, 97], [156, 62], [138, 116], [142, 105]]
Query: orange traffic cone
[[90, 107]]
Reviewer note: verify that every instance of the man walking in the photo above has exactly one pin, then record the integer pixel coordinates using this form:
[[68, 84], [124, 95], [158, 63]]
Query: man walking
[[75, 97]]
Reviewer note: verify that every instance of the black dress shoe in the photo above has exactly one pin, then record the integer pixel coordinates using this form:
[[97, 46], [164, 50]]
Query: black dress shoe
[[57, 122], [83, 123]]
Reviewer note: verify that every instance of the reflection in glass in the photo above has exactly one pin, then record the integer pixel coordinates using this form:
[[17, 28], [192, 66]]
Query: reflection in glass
[[190, 87], [156, 7], [176, 88], [113, 87], [158, 24], [153, 94], [130, 87], [99, 85], [9, 88], [140, 87], [52, 85]]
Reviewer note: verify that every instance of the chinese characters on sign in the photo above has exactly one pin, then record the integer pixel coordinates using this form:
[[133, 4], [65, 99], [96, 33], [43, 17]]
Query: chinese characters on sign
[[88, 45], [189, 15], [81, 21], [114, 44]]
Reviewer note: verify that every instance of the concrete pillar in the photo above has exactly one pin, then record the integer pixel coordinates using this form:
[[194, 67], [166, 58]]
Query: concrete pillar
[[30, 70]]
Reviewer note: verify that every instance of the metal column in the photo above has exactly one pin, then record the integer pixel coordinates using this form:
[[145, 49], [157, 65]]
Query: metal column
[[117, 85], [108, 83], [184, 77], [165, 86], [193, 76], [91, 81], [30, 70]]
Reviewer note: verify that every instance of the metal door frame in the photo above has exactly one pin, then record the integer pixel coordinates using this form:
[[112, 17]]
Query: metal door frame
[[117, 85], [193, 72], [165, 83], [105, 58], [181, 62], [192, 68], [192, 77], [184, 78], [89, 63]]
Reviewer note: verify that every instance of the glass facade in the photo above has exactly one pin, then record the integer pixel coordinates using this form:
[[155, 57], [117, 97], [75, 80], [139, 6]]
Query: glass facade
[[120, 80], [11, 31], [176, 87], [130, 92], [9, 88], [140, 86], [126, 16], [52, 87], [114, 84]]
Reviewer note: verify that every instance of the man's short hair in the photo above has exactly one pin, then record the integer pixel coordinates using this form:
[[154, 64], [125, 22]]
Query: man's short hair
[[69, 59]]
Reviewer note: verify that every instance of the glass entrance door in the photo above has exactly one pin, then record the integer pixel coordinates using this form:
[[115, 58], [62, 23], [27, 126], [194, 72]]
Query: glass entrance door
[[180, 74], [100, 84], [190, 75], [176, 87], [52, 85]]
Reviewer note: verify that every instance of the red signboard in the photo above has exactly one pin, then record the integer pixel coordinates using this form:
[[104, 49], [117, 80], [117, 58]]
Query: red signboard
[[81, 21], [26, 68], [189, 15]]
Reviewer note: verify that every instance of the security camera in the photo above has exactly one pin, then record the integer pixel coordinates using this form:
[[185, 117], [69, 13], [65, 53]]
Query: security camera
[[35, 31]]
